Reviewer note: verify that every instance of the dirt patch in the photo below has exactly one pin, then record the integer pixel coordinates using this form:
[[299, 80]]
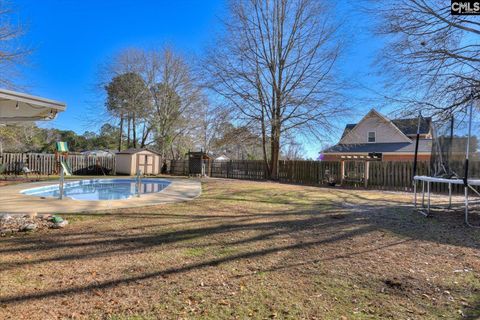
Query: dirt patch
[[404, 285]]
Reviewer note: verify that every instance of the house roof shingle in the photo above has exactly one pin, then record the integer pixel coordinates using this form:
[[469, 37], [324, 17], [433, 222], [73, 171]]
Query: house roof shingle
[[348, 128], [424, 146], [407, 126]]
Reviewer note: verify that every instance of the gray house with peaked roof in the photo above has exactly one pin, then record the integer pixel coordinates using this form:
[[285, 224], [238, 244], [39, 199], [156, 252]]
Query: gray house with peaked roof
[[376, 137]]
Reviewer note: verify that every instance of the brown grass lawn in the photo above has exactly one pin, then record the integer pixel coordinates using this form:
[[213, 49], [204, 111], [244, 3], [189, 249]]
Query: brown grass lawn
[[248, 250]]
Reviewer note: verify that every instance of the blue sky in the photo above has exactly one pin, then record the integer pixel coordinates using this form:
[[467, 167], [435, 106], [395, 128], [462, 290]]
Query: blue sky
[[72, 38]]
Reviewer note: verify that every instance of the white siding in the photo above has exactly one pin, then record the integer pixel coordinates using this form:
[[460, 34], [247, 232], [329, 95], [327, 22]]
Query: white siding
[[385, 131], [127, 163], [123, 164]]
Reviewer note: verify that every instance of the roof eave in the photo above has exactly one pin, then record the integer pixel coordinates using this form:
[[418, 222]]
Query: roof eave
[[29, 99]]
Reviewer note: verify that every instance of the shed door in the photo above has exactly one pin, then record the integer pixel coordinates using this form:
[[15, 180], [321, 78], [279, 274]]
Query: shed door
[[145, 163]]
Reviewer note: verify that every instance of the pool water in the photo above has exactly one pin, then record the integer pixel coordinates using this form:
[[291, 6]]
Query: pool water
[[100, 189]]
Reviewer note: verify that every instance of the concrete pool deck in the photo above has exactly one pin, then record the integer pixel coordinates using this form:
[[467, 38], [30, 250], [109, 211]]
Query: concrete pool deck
[[12, 201]]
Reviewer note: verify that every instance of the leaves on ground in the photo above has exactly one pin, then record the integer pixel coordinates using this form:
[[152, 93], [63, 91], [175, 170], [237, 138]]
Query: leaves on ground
[[248, 250]]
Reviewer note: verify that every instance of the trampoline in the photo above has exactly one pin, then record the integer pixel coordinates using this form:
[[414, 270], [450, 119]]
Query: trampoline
[[455, 161]]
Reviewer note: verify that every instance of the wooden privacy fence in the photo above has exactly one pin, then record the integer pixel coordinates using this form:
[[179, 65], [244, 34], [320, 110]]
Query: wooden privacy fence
[[179, 167], [397, 175], [240, 169], [309, 172], [393, 175], [46, 164], [384, 175], [302, 172]]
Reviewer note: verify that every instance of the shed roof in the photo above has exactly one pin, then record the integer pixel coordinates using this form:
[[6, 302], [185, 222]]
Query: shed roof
[[198, 154], [136, 150]]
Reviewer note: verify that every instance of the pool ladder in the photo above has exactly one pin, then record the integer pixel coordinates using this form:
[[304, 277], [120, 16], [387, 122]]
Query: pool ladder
[[139, 182]]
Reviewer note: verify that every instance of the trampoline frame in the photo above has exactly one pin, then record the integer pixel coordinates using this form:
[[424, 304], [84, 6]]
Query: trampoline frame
[[425, 210], [468, 183]]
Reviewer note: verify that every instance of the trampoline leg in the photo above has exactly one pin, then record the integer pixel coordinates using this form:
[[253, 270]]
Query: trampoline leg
[[423, 194], [428, 190], [466, 205], [415, 193], [449, 196]]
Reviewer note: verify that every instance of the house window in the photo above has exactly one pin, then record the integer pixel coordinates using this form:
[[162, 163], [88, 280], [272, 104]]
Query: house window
[[371, 136]]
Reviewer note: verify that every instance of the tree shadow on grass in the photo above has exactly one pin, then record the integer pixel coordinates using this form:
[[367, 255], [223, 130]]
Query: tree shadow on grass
[[126, 243], [377, 214], [171, 271], [395, 215], [321, 222], [444, 226], [473, 311]]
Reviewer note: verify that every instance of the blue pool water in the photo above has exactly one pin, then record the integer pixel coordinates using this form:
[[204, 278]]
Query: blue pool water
[[100, 189]]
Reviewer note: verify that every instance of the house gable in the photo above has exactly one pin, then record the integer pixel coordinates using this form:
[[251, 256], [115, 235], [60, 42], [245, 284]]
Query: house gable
[[385, 130]]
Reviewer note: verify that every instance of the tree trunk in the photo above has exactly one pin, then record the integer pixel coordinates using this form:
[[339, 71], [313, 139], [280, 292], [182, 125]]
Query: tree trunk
[[142, 140], [171, 150], [275, 143], [128, 131], [276, 132], [264, 145], [120, 135], [275, 150], [145, 136], [134, 129]]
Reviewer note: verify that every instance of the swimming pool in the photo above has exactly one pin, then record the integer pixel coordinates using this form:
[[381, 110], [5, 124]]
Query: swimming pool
[[100, 189]]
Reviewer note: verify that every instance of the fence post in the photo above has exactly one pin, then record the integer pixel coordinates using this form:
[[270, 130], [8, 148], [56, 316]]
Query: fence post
[[342, 171], [366, 173]]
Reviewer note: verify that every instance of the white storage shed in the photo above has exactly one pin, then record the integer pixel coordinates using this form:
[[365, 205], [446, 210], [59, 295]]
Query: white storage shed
[[131, 160]]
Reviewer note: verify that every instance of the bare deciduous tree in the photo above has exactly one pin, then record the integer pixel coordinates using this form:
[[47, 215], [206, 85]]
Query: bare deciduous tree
[[432, 56], [176, 97], [293, 150], [275, 67], [156, 93], [211, 123], [11, 52], [238, 143]]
